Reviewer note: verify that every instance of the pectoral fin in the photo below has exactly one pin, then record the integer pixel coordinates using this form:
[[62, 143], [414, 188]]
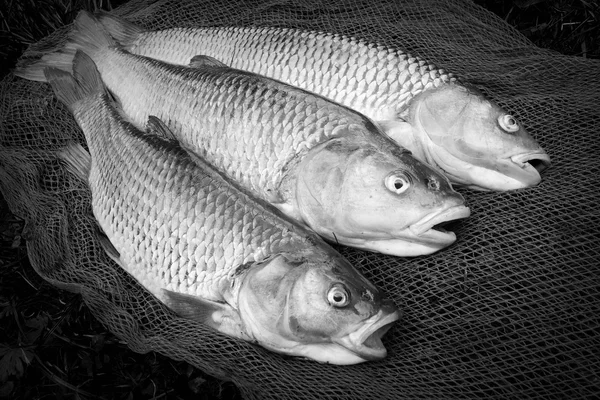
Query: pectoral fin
[[399, 131], [218, 315]]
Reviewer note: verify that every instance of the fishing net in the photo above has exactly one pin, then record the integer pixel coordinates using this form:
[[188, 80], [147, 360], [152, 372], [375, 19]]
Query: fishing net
[[511, 310]]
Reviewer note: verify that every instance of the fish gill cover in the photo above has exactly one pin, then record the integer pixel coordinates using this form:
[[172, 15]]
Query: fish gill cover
[[509, 311]]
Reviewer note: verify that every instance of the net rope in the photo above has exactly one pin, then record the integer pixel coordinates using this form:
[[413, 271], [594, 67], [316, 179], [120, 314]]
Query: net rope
[[510, 310]]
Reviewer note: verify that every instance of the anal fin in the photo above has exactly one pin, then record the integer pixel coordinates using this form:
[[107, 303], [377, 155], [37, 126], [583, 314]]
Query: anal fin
[[109, 248], [77, 160]]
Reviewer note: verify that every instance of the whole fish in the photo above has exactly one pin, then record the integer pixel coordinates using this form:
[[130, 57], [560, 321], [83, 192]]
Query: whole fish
[[321, 163], [209, 250], [447, 124]]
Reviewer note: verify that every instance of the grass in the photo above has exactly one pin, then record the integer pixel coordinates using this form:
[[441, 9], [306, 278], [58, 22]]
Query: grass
[[570, 27], [51, 346]]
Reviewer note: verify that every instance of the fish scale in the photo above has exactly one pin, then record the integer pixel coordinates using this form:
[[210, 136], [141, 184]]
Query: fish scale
[[440, 120], [248, 232], [319, 162], [291, 55]]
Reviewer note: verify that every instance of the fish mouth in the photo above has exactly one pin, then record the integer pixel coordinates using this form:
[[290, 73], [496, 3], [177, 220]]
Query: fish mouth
[[429, 228], [423, 237], [366, 342], [533, 163]]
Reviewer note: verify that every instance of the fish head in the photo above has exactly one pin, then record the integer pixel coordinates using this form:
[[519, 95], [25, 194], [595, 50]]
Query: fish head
[[376, 196], [474, 141], [317, 307]]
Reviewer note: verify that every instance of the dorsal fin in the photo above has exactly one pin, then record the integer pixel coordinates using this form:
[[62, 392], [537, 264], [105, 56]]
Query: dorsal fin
[[201, 61], [156, 126]]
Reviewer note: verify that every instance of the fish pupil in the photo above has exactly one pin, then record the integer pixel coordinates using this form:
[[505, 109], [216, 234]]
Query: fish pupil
[[398, 184]]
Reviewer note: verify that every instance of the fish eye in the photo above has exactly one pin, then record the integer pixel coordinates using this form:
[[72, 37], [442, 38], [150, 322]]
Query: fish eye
[[508, 123], [338, 296], [397, 183]]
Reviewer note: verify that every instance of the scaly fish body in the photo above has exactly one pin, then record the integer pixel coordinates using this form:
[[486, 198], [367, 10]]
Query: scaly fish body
[[375, 80], [422, 107], [211, 251], [319, 162]]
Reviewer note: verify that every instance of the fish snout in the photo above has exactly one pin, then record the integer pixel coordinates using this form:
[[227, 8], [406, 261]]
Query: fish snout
[[388, 307], [437, 187]]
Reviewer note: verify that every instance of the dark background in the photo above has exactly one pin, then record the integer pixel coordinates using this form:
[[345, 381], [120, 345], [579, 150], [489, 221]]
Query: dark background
[[50, 345]]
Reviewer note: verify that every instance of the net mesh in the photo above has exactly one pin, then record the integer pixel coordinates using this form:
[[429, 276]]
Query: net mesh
[[510, 310]]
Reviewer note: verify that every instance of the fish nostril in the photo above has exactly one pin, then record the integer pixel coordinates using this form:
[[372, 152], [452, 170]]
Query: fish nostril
[[432, 183]]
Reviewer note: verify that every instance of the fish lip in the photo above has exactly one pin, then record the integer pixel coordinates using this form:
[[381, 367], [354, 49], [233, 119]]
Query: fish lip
[[424, 227], [521, 160], [366, 341]]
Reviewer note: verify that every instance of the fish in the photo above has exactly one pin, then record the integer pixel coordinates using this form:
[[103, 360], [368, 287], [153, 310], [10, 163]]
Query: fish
[[207, 248], [442, 120], [322, 164]]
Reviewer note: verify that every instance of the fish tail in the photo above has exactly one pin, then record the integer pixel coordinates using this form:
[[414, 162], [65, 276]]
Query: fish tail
[[88, 36], [71, 89], [77, 160], [123, 31]]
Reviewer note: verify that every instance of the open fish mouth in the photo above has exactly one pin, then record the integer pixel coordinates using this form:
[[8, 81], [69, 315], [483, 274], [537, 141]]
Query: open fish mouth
[[430, 228], [423, 237], [366, 341], [532, 162]]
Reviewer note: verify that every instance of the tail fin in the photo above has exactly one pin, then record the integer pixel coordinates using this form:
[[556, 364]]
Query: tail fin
[[77, 160], [84, 82], [123, 31], [88, 35]]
